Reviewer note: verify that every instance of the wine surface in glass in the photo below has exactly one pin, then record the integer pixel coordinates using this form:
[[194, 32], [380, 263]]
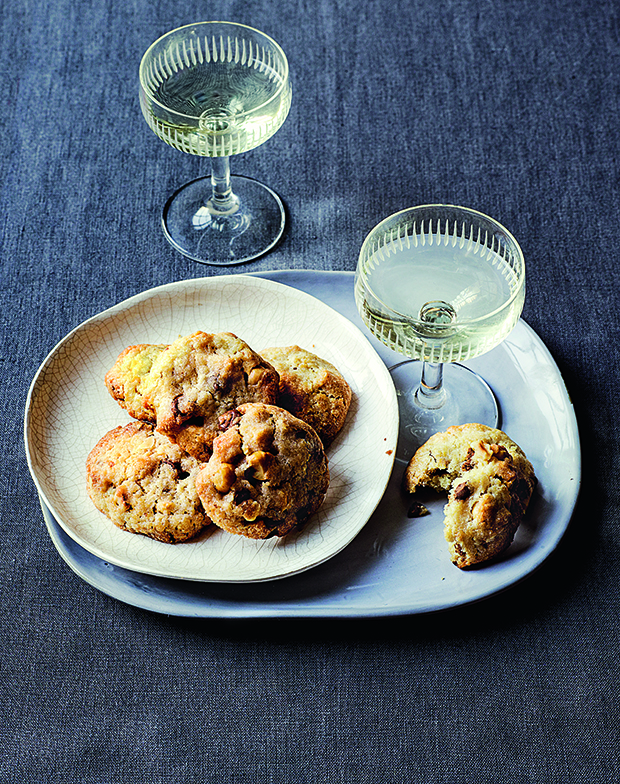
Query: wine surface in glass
[[216, 108], [469, 294]]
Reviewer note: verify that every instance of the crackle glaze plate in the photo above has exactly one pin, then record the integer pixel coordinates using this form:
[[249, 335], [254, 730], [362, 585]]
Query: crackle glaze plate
[[69, 409]]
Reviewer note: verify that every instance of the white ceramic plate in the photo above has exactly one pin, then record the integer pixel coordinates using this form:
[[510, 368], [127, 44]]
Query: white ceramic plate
[[69, 409]]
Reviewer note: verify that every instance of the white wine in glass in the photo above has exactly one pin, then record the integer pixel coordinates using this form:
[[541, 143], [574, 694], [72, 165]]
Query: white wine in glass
[[217, 89], [440, 284]]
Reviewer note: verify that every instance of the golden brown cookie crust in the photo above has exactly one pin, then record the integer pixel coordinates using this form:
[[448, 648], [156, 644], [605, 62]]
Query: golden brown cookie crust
[[267, 475], [311, 388], [198, 378], [126, 377], [489, 481], [145, 484]]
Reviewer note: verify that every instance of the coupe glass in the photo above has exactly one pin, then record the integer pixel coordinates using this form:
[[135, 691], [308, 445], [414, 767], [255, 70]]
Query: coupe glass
[[440, 284], [218, 89]]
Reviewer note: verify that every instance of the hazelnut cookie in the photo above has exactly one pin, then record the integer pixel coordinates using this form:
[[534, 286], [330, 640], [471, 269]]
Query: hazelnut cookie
[[198, 378], [145, 484], [267, 475], [126, 377], [311, 388], [489, 481]]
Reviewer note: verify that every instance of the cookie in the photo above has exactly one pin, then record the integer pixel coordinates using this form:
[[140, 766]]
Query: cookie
[[268, 473], [489, 482], [312, 389], [145, 484], [196, 379], [126, 377]]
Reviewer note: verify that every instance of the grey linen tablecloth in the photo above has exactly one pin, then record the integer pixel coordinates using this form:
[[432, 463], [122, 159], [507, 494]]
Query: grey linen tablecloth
[[507, 106]]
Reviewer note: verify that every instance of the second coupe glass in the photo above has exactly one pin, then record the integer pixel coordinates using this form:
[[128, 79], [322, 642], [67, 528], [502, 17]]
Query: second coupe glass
[[440, 284]]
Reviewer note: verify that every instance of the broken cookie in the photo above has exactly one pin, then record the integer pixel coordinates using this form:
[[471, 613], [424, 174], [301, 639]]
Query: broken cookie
[[489, 482]]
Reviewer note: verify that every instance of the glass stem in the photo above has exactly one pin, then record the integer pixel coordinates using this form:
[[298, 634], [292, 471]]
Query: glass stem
[[431, 393], [223, 201]]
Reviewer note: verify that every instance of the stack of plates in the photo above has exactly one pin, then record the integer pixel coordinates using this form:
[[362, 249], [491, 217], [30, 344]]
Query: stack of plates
[[360, 555]]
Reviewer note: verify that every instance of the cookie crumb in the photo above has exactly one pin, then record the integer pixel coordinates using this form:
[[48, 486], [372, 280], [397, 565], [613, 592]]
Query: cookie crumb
[[417, 510]]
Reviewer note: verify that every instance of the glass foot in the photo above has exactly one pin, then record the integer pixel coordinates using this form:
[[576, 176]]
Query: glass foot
[[247, 232], [468, 399]]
